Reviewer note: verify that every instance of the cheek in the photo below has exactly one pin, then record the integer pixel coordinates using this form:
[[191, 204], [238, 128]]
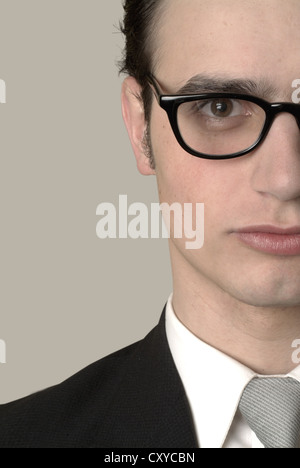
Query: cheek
[[180, 176], [184, 178]]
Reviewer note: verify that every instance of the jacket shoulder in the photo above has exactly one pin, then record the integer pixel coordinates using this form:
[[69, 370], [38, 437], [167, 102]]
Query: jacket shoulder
[[61, 414], [131, 398]]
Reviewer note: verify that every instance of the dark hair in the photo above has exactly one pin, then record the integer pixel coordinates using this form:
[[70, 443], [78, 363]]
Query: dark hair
[[139, 28]]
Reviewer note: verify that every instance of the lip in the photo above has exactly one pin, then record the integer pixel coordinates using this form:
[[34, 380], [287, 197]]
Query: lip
[[271, 239]]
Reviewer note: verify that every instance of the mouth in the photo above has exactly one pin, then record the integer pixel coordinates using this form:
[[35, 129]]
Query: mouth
[[271, 239]]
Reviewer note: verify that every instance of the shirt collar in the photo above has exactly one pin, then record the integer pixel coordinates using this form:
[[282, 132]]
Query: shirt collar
[[213, 381]]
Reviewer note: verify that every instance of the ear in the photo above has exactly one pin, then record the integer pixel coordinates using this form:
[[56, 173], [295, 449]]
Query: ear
[[134, 118]]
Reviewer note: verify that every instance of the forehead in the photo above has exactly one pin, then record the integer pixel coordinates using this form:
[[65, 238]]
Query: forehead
[[235, 38]]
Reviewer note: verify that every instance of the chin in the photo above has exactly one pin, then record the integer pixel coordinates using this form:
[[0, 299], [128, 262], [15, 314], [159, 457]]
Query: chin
[[266, 286], [260, 297]]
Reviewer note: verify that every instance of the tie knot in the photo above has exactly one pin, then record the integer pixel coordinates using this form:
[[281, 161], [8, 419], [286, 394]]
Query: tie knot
[[271, 407]]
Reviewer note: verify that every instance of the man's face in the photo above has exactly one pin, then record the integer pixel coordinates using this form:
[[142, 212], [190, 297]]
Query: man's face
[[233, 39]]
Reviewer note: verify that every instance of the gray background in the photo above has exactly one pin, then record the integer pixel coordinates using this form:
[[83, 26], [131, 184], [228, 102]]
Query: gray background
[[67, 298]]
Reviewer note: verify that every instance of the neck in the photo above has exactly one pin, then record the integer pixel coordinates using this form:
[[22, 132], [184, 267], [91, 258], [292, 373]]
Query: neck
[[259, 337]]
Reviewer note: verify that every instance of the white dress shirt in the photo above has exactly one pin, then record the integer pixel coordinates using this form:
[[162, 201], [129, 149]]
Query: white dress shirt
[[214, 384]]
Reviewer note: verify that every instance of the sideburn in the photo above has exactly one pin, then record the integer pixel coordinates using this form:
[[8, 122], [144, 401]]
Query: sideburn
[[147, 146]]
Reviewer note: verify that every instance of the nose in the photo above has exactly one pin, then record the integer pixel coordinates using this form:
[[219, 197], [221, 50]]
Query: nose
[[277, 165]]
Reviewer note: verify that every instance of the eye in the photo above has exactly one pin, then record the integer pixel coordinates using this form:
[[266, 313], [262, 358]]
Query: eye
[[222, 108]]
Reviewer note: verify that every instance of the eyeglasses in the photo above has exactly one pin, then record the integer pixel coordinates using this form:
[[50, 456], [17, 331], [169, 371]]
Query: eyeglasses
[[220, 125]]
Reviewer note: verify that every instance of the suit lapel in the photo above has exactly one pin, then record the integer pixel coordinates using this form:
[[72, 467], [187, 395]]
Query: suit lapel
[[150, 408]]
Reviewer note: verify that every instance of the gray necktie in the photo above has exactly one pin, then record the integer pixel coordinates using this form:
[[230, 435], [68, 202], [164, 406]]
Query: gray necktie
[[271, 407]]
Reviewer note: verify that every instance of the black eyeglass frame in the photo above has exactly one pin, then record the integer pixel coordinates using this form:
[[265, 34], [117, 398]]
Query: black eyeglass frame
[[171, 103]]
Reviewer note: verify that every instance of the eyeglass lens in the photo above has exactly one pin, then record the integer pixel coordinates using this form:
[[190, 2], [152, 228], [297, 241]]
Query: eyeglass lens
[[220, 126]]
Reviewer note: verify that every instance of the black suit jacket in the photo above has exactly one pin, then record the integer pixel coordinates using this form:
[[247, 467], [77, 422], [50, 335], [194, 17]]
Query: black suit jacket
[[133, 398]]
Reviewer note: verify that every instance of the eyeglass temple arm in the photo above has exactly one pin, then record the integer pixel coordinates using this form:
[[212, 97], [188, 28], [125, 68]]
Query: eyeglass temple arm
[[155, 86]]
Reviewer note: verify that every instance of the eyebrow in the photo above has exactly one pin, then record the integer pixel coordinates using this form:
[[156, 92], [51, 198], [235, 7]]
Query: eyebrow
[[211, 84]]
